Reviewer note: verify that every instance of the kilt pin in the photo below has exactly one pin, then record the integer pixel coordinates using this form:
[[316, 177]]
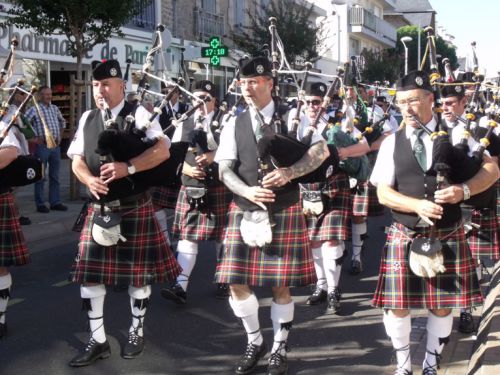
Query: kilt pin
[[399, 288], [333, 223], [202, 224], [143, 259], [287, 261], [13, 250]]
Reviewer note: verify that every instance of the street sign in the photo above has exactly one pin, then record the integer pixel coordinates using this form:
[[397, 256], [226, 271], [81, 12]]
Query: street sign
[[215, 51]]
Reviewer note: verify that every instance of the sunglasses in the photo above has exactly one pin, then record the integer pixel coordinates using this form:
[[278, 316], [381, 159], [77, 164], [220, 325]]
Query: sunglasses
[[203, 98], [313, 102]]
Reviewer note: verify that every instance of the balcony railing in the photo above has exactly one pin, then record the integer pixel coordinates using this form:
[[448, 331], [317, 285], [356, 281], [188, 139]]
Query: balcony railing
[[208, 24], [359, 16]]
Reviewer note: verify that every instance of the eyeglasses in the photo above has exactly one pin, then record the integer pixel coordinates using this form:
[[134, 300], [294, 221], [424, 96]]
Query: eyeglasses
[[411, 102], [313, 102]]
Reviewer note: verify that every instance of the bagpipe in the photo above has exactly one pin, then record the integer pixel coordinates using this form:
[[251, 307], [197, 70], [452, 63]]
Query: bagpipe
[[25, 169], [121, 144], [451, 162]]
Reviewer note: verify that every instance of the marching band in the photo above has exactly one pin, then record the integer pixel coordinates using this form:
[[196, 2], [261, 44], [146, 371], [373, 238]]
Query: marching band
[[280, 190]]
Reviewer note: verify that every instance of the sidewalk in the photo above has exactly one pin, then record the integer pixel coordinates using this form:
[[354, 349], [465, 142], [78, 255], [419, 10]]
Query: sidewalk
[[465, 354]]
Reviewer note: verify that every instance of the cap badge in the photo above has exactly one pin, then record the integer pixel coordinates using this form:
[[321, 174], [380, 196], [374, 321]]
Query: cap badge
[[259, 69], [419, 81], [208, 87], [113, 72], [458, 89]]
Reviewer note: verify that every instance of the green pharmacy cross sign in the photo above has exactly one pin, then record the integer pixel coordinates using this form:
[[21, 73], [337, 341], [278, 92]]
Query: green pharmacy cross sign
[[215, 51]]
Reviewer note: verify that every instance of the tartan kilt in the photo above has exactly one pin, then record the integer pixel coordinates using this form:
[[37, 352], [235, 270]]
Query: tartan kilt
[[365, 201], [202, 225], [485, 241], [143, 259], [164, 196], [286, 262], [13, 249], [497, 184], [399, 288], [333, 223]]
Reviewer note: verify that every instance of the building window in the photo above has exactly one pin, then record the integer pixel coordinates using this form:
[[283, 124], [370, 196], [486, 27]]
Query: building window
[[239, 15], [208, 5], [146, 19]]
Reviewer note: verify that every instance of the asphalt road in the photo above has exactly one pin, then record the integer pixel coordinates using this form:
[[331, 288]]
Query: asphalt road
[[47, 326]]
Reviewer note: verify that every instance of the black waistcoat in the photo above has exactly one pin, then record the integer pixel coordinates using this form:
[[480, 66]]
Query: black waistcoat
[[247, 168], [412, 181], [93, 127]]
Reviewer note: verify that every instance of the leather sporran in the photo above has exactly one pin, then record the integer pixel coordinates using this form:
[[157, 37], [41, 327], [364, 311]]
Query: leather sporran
[[255, 228], [196, 197], [106, 229], [426, 257], [312, 202]]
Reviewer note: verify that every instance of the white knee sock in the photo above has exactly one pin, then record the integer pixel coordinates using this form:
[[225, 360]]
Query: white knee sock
[[438, 331], [95, 294], [282, 317], [248, 311], [399, 329], [186, 257], [5, 284], [318, 266], [161, 217], [332, 270], [139, 299], [358, 230]]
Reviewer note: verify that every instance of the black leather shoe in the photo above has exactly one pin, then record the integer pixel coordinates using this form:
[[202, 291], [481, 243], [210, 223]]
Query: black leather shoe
[[334, 300], [133, 347], [91, 353], [249, 360], [222, 291], [3, 330], [278, 364], [23, 220], [466, 323], [175, 293], [43, 209], [318, 297], [356, 267], [59, 207]]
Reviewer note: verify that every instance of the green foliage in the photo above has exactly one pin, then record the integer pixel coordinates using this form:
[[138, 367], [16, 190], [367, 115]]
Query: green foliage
[[300, 37], [84, 22], [380, 66], [442, 48]]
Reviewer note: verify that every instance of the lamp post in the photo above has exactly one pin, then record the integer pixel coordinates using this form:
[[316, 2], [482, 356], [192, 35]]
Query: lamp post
[[404, 40]]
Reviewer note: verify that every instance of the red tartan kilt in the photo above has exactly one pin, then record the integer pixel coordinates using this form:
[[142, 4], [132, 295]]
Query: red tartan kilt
[[207, 224], [143, 259], [164, 196], [399, 288], [365, 200], [498, 197], [286, 262], [13, 250], [485, 241], [333, 223]]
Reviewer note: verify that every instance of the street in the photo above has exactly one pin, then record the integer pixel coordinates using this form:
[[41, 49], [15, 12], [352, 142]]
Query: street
[[47, 326]]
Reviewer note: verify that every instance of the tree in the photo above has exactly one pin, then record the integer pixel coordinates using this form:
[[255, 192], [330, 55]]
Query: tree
[[85, 23], [380, 66], [300, 37], [442, 48]]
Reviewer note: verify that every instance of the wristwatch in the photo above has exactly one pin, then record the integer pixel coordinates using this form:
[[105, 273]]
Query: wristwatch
[[130, 168], [466, 191]]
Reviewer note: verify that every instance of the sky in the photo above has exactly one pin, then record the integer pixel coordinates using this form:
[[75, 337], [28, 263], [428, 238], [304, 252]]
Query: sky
[[470, 21]]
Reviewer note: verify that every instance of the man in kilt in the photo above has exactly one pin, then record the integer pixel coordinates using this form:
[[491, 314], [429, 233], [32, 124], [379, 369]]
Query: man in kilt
[[406, 182], [481, 224], [364, 198], [145, 257], [13, 250], [329, 228], [204, 217], [165, 197], [283, 261]]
